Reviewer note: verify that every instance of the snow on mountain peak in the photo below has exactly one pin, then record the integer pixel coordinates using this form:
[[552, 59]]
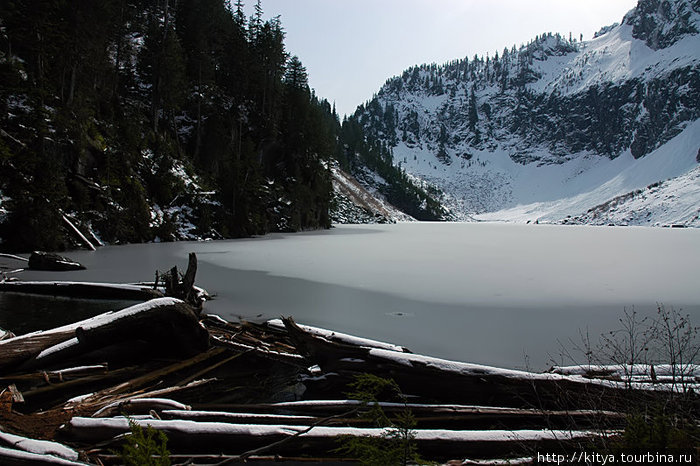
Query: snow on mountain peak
[[557, 125]]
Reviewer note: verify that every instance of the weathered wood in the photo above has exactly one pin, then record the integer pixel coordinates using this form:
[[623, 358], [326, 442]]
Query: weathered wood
[[79, 234], [168, 324], [202, 437], [213, 459], [12, 457], [426, 416], [16, 350], [40, 447], [105, 396], [83, 290], [6, 334], [449, 381], [60, 375], [138, 405], [183, 289], [58, 389], [187, 285], [12, 256]]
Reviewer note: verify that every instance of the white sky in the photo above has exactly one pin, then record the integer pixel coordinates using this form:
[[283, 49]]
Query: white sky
[[351, 47]]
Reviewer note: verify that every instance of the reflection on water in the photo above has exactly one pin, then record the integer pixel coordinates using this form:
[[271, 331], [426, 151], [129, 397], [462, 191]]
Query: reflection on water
[[23, 313]]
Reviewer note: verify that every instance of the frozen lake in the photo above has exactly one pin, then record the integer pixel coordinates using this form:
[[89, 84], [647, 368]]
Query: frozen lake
[[499, 294]]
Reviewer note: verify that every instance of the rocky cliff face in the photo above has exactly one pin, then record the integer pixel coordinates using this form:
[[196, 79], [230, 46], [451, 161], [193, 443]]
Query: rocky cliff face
[[662, 23], [555, 119]]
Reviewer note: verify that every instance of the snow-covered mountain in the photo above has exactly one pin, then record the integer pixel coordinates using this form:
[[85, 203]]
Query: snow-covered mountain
[[558, 126]]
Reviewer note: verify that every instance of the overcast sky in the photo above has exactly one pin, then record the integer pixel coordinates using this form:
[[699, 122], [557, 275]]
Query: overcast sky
[[351, 47]]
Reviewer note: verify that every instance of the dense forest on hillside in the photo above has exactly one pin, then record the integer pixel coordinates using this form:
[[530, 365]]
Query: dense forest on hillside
[[160, 119]]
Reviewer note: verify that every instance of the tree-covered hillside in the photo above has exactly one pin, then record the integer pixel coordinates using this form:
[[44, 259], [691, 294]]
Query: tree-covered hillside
[[156, 119], [144, 117]]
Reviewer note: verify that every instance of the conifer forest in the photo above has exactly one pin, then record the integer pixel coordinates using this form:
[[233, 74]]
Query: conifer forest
[[146, 120]]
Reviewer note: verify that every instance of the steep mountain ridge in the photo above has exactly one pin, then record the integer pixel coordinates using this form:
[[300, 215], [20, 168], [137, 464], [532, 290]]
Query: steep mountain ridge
[[558, 125]]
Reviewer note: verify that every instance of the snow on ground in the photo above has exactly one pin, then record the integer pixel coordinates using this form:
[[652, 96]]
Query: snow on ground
[[552, 192], [615, 56], [675, 202]]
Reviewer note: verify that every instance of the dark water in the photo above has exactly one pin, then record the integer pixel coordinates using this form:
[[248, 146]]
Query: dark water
[[21, 313]]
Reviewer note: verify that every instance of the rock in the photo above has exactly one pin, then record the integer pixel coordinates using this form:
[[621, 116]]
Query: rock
[[48, 261]]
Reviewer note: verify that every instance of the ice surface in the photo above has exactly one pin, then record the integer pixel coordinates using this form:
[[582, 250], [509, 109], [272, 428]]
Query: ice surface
[[488, 293]]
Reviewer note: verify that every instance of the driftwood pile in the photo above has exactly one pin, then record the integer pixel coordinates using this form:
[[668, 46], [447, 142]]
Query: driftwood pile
[[228, 392]]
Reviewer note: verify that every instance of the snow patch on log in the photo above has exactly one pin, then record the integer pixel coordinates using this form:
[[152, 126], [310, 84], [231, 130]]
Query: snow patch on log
[[32, 458], [102, 319], [186, 427], [469, 369], [39, 447], [80, 235], [341, 337], [151, 403], [109, 317], [634, 370], [194, 415], [58, 348]]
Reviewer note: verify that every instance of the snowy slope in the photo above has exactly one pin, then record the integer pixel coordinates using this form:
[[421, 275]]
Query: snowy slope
[[557, 127], [675, 202], [354, 204], [579, 185]]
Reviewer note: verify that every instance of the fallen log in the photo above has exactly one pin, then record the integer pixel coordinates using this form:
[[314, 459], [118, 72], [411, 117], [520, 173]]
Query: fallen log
[[56, 376], [426, 415], [236, 418], [83, 290], [198, 437], [14, 351], [12, 256], [79, 234], [442, 380], [121, 391], [11, 457], [139, 405], [57, 393], [216, 459], [39, 447], [336, 337], [167, 323]]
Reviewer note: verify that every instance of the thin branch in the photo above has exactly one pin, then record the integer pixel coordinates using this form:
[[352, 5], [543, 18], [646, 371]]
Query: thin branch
[[243, 456]]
